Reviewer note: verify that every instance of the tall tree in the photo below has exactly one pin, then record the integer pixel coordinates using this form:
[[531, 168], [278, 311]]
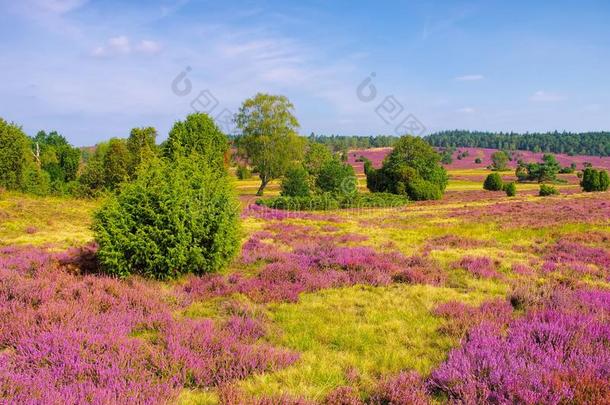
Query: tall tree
[[15, 155], [269, 140], [116, 163], [56, 156]]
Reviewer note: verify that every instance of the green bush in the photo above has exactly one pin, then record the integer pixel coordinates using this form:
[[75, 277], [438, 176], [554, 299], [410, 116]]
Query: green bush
[[493, 182], [36, 181], [336, 177], [330, 201], [243, 173], [14, 155], [421, 190], [409, 169], [547, 190], [594, 180], [177, 217], [295, 182], [510, 189], [478, 161]]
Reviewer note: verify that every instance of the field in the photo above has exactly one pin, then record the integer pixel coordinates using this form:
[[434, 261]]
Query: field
[[476, 298]]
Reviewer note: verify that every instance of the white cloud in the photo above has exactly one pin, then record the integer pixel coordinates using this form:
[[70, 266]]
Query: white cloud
[[469, 78], [148, 47], [545, 96], [121, 45], [466, 110]]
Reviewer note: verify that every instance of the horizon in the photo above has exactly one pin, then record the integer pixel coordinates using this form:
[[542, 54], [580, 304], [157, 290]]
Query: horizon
[[93, 70]]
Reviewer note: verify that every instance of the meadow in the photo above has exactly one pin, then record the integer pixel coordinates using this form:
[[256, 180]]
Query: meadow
[[475, 298]]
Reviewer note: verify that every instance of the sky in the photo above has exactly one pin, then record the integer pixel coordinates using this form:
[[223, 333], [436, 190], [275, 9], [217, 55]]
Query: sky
[[93, 70]]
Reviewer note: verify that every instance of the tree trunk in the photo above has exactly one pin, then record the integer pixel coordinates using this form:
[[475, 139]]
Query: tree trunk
[[262, 187]]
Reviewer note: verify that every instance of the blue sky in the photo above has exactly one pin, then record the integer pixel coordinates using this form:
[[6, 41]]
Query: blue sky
[[94, 69]]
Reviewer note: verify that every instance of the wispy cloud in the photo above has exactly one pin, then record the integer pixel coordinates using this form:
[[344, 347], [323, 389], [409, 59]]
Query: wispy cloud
[[121, 45], [545, 96], [466, 110], [469, 78]]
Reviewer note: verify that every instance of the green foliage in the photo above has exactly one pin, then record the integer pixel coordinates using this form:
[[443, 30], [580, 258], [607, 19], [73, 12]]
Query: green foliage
[[412, 168], [179, 216], [493, 182], [295, 182], [594, 180], [588, 143], [421, 190], [116, 163], [243, 173], [544, 171], [36, 181], [328, 201], [336, 177], [547, 190], [92, 180], [198, 134], [142, 146], [447, 157], [338, 143], [499, 160], [478, 161], [269, 141], [57, 157], [15, 155], [510, 189], [316, 156]]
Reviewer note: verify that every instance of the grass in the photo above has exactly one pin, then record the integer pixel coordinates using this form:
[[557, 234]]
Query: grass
[[372, 331], [54, 221]]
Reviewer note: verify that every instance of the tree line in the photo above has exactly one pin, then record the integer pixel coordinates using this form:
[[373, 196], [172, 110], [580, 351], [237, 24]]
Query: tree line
[[586, 143]]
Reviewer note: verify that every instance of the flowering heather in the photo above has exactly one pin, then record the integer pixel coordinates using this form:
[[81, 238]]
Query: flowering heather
[[540, 360], [68, 338], [462, 317], [481, 267], [453, 242], [404, 388], [343, 396], [262, 212], [578, 257], [540, 213]]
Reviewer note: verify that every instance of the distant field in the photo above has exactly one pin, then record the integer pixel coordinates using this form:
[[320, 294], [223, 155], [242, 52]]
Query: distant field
[[377, 155]]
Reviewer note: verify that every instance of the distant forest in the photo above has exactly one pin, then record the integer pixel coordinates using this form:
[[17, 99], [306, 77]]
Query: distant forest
[[587, 143], [342, 143]]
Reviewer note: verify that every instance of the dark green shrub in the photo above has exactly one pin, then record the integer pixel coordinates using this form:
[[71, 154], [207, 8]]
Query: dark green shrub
[[243, 173], [510, 189], [493, 182], [421, 190], [547, 190], [177, 217], [499, 160], [336, 177], [478, 161], [409, 169], [594, 180], [295, 182]]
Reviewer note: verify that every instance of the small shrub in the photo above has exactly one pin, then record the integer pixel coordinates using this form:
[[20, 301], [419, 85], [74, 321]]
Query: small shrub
[[510, 189], [547, 190], [421, 190], [295, 182], [336, 177], [177, 217], [594, 180], [36, 181], [243, 173], [329, 201], [478, 161], [493, 182]]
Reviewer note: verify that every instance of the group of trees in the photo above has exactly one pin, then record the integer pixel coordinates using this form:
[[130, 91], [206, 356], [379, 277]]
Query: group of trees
[[40, 165], [545, 171], [412, 168], [588, 143], [339, 143]]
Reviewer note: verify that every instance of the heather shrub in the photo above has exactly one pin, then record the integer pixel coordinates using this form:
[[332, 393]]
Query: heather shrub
[[547, 190], [510, 189], [404, 388], [493, 182], [343, 396], [594, 180], [295, 182], [177, 217]]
